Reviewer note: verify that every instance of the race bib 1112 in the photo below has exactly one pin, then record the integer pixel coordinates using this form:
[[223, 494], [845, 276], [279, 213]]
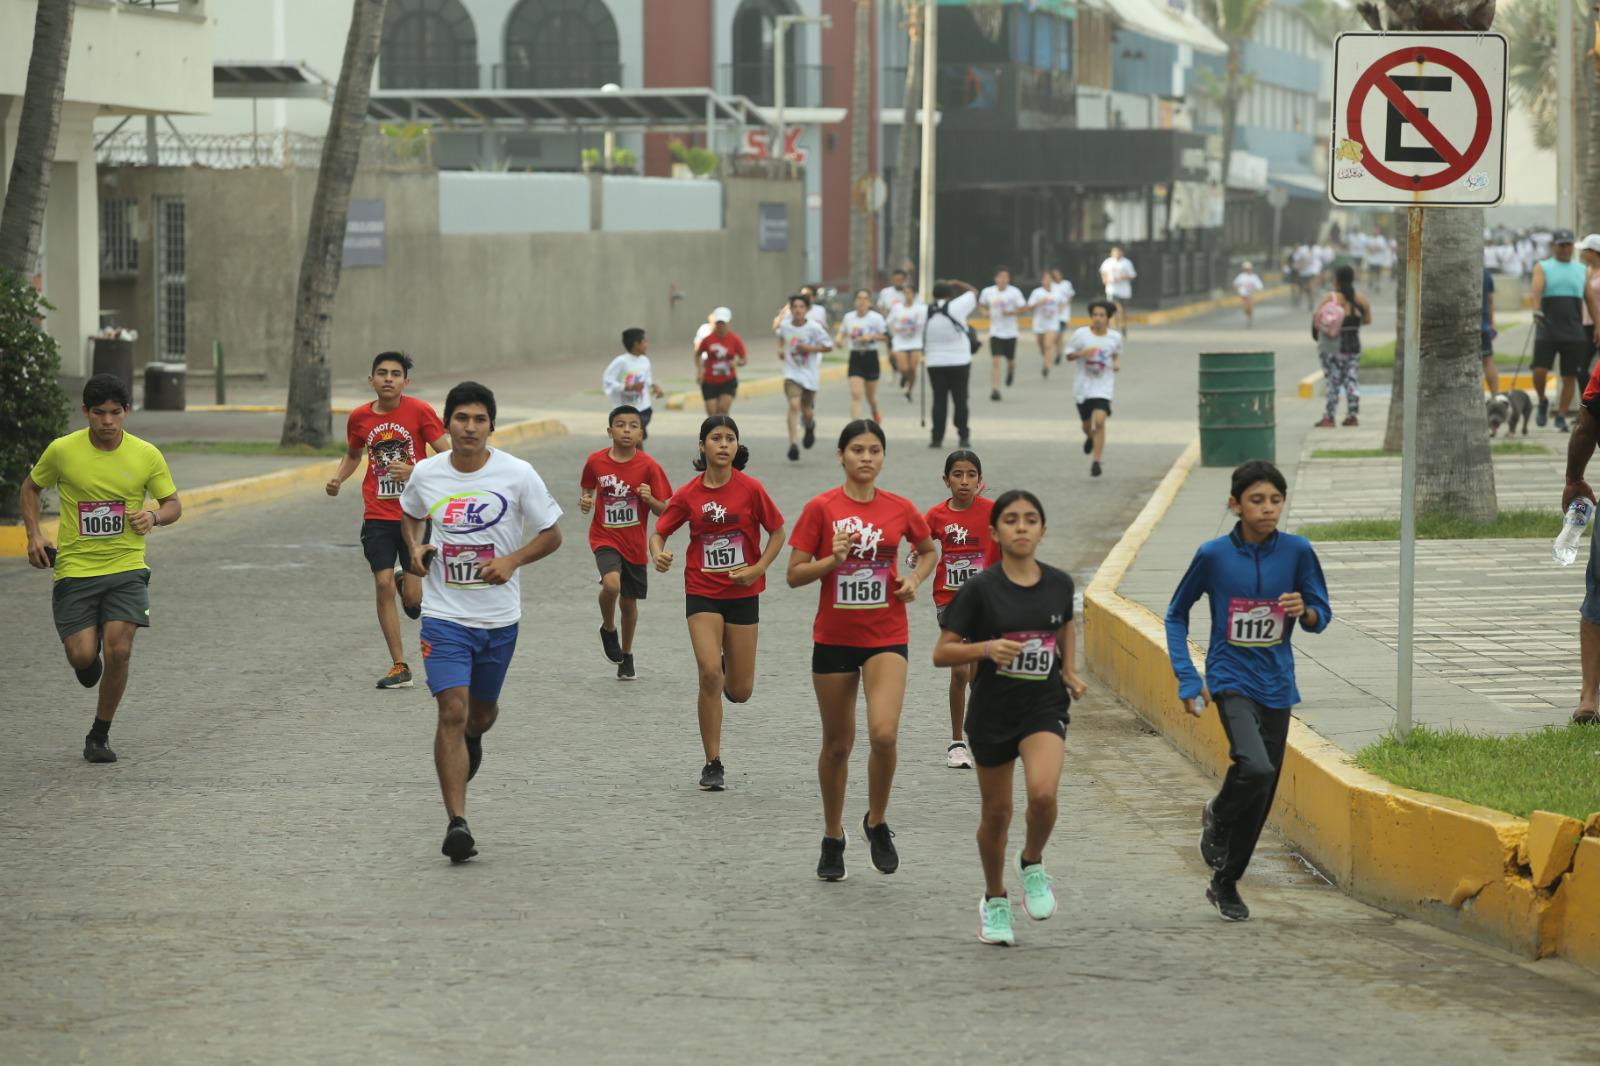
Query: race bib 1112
[[1255, 623]]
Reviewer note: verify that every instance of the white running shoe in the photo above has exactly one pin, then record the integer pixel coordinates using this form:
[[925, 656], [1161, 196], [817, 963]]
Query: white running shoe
[[957, 757]]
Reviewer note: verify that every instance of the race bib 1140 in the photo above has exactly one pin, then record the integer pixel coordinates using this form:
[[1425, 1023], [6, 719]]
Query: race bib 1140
[[463, 564], [1255, 623], [619, 511], [101, 518], [861, 584], [1034, 661]]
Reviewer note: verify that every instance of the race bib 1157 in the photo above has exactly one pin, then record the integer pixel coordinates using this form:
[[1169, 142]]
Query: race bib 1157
[[722, 551]]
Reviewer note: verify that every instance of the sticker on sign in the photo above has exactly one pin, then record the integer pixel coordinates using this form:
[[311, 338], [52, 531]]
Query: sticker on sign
[[1418, 119]]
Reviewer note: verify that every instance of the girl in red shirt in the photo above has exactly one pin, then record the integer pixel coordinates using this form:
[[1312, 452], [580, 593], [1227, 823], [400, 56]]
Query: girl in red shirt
[[848, 540], [724, 573], [961, 526]]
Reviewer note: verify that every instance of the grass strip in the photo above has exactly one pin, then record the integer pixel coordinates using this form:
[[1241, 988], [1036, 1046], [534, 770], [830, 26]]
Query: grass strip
[[1381, 356], [1504, 447], [1508, 524], [248, 447], [1553, 769]]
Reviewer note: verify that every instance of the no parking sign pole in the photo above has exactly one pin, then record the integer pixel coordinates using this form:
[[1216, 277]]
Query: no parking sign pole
[[1418, 121]]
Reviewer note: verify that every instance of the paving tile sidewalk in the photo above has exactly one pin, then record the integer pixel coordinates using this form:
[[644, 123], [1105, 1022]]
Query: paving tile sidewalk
[[1496, 624]]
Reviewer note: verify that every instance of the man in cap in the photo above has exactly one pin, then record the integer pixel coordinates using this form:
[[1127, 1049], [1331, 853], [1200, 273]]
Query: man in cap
[[1558, 289]]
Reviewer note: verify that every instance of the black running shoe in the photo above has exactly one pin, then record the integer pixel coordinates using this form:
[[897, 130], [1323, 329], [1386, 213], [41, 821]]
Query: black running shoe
[[1011, 373], [98, 749], [412, 613], [610, 644], [1224, 896], [831, 866], [474, 755], [885, 859], [625, 669], [994, 394], [1094, 468], [89, 676], [1088, 444], [1058, 359], [964, 442], [458, 843], [794, 453], [810, 437], [1213, 845], [711, 778], [1542, 414]]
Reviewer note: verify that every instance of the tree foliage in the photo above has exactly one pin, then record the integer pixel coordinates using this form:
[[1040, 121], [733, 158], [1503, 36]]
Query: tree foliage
[[33, 408]]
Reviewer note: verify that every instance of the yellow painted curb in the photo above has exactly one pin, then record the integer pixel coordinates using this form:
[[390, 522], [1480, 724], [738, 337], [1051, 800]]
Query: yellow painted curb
[[1452, 864], [833, 372], [1308, 384], [1150, 318], [270, 486]]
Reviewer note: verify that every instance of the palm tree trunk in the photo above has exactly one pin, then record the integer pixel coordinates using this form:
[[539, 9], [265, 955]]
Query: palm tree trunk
[[861, 209], [1230, 109], [22, 219], [309, 419], [1589, 189], [905, 167]]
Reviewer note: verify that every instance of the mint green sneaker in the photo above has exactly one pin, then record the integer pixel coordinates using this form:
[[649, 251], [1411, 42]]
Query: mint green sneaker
[[1038, 899], [994, 916]]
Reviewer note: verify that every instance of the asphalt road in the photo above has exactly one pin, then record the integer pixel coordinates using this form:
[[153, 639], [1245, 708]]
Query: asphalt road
[[258, 880]]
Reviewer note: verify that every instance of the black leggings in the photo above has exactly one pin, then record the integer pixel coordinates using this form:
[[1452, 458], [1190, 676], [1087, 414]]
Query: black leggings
[[949, 382], [1256, 738]]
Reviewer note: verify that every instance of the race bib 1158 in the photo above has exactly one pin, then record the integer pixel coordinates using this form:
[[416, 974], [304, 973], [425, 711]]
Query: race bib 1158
[[861, 584], [101, 518], [1255, 623]]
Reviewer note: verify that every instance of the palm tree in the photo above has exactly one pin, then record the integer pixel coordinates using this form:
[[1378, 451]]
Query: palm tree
[[22, 219], [1455, 475], [309, 419], [1330, 17], [861, 209], [1530, 29], [1234, 21], [905, 166]]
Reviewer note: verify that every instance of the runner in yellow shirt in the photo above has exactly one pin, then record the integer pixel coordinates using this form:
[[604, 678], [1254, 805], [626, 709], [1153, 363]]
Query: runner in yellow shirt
[[101, 594]]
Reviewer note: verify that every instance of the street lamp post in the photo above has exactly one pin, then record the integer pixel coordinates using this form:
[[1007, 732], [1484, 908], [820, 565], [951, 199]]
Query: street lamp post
[[930, 84], [780, 64]]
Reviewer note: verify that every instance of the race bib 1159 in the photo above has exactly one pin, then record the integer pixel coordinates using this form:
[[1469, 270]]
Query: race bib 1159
[[1037, 656], [1255, 623]]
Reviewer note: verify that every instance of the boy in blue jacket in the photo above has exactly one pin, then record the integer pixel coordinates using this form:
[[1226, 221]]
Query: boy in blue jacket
[[1260, 584]]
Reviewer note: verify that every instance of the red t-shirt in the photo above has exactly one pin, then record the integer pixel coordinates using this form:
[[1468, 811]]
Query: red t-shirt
[[965, 545], [857, 607], [401, 435], [725, 525], [1591, 392], [721, 355], [621, 519]]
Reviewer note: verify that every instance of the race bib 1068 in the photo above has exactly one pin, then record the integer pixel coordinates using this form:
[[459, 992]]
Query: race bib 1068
[[1037, 656], [721, 552], [1255, 623], [619, 511], [101, 518], [861, 584], [463, 564]]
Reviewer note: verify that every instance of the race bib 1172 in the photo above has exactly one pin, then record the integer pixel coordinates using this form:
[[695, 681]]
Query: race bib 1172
[[861, 584], [463, 564], [101, 518], [1255, 623]]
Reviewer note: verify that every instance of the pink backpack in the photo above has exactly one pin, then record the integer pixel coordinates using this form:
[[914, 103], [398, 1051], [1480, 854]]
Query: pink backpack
[[1329, 318]]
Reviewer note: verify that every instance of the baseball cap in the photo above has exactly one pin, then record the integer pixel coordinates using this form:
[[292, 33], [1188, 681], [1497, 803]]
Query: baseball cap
[[1591, 243], [1246, 265], [722, 314], [1561, 236]]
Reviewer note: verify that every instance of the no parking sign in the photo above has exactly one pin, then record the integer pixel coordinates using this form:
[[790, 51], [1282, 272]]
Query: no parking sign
[[1418, 119]]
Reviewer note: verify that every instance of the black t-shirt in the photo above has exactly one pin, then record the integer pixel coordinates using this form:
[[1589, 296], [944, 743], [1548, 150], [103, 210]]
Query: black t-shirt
[[990, 607]]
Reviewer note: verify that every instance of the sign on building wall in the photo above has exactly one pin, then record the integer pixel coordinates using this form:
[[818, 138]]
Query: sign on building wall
[[364, 234], [773, 227], [1418, 119]]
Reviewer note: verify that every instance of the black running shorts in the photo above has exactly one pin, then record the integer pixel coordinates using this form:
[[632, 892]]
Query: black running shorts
[[743, 611], [1003, 347], [635, 578], [865, 364], [840, 659]]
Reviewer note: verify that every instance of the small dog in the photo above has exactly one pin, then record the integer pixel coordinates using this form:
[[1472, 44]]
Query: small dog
[[1509, 409]]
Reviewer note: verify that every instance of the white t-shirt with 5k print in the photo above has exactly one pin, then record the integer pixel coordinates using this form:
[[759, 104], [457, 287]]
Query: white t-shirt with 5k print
[[487, 514]]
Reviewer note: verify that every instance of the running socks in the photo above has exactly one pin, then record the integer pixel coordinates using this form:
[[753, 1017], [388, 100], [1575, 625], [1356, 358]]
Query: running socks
[[100, 729], [1024, 863]]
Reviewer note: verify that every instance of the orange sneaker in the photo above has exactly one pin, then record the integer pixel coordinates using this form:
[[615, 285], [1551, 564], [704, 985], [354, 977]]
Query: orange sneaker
[[399, 676]]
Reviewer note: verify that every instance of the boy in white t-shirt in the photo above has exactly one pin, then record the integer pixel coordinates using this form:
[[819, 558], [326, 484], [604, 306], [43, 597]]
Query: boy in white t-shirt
[[1097, 348], [629, 379], [1117, 274], [801, 342], [1003, 301], [1247, 283], [892, 294], [907, 321], [1044, 302], [491, 515]]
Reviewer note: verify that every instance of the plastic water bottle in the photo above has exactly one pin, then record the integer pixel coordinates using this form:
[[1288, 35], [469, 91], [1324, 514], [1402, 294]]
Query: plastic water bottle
[[1565, 549]]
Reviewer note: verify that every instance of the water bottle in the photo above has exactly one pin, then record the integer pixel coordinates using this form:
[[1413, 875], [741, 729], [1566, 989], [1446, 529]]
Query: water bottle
[[1565, 549]]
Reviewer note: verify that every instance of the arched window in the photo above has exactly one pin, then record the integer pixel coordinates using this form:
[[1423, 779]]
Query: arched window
[[428, 44], [753, 40], [561, 44]]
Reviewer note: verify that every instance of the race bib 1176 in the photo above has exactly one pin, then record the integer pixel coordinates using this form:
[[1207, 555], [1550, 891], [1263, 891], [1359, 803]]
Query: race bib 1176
[[463, 564], [861, 584], [389, 486], [101, 518], [1255, 623]]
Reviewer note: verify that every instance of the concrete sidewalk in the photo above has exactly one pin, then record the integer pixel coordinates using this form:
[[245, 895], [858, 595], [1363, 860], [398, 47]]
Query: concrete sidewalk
[[1496, 621]]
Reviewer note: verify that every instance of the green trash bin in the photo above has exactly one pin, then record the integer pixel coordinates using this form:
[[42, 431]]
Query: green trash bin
[[1238, 420]]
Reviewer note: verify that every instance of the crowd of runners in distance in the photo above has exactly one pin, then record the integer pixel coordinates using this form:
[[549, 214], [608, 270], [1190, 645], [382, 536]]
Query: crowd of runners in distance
[[448, 534]]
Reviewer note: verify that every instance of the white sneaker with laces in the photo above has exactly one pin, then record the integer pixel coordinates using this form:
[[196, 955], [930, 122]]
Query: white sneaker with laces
[[957, 757]]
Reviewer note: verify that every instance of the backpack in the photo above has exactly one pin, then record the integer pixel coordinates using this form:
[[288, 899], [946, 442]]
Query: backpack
[[1329, 318], [972, 335]]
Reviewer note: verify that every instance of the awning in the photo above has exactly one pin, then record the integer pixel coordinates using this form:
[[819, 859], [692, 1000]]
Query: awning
[[1300, 185], [639, 110], [801, 116], [1167, 22], [268, 80]]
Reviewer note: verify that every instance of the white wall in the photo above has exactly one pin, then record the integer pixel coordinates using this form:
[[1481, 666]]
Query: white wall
[[642, 205], [513, 203]]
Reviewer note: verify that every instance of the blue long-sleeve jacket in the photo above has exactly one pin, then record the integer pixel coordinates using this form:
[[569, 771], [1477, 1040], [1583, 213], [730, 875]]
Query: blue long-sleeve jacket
[[1250, 650]]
